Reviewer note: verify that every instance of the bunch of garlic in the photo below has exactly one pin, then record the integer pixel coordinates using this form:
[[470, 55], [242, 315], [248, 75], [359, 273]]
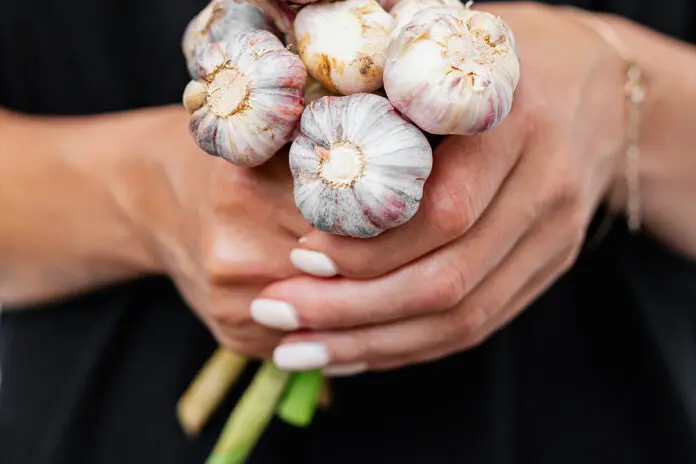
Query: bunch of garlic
[[358, 166], [452, 71], [246, 97], [443, 67], [218, 20], [343, 44]]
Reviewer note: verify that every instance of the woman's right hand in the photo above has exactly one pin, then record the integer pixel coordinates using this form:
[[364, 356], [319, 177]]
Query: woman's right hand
[[219, 231]]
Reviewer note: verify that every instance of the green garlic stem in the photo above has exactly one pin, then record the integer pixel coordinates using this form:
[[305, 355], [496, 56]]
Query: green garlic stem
[[300, 401], [251, 416], [208, 389]]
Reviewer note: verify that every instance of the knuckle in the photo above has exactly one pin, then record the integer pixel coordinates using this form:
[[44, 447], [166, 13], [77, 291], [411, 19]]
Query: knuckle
[[452, 209], [216, 268], [562, 189], [466, 325], [445, 286], [224, 316]]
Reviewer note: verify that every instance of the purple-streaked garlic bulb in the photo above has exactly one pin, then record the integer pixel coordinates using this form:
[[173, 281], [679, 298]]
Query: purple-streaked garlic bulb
[[344, 44], [247, 97], [358, 166], [219, 19], [452, 73]]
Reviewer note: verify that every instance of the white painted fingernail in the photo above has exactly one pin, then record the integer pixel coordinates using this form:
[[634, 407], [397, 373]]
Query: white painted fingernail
[[313, 262], [274, 314], [343, 370], [301, 356]]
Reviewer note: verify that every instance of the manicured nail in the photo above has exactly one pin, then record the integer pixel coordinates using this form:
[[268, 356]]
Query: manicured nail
[[343, 370], [274, 314], [301, 356], [313, 262]]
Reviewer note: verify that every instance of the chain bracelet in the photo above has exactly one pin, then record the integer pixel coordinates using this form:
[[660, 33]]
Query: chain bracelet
[[634, 90]]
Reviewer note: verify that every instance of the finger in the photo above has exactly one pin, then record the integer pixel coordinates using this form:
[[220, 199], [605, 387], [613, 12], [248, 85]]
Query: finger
[[227, 317], [232, 255], [463, 326], [467, 173], [528, 294], [435, 282]]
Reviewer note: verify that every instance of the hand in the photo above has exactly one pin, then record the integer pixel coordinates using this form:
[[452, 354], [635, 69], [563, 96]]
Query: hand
[[219, 231], [504, 214]]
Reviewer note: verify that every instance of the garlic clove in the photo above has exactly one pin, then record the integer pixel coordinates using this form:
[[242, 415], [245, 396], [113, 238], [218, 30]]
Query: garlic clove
[[219, 19], [252, 88], [358, 166], [343, 44], [195, 95], [452, 73]]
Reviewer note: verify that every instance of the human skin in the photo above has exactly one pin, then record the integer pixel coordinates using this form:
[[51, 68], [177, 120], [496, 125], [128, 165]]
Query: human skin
[[505, 213], [97, 200]]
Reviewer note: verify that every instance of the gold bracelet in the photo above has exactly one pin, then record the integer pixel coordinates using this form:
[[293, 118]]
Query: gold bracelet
[[635, 92]]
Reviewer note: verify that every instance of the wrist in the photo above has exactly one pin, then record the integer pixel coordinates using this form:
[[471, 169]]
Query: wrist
[[150, 182], [666, 168], [99, 148]]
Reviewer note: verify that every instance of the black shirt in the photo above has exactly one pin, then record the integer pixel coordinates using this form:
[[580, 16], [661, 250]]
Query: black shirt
[[602, 368]]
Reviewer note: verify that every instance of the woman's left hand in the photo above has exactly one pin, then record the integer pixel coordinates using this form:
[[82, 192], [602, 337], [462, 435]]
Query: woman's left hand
[[504, 214]]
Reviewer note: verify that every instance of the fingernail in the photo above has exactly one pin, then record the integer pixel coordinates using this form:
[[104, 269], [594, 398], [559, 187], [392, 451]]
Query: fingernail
[[343, 370], [301, 356], [274, 314], [313, 262]]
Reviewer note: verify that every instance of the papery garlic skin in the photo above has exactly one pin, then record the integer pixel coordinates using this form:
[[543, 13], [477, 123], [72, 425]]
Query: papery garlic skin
[[358, 166], [219, 19], [343, 44], [452, 73], [388, 4], [404, 10], [251, 89]]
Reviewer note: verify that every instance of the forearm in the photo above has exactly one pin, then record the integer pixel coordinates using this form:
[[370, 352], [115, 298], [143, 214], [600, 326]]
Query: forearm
[[62, 230], [668, 135]]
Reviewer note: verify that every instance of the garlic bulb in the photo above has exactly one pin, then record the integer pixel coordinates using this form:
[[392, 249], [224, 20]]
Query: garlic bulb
[[452, 73], [219, 19], [246, 100], [358, 166], [403, 11], [343, 44]]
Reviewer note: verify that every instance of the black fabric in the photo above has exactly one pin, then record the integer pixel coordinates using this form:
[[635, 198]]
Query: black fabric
[[602, 368]]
